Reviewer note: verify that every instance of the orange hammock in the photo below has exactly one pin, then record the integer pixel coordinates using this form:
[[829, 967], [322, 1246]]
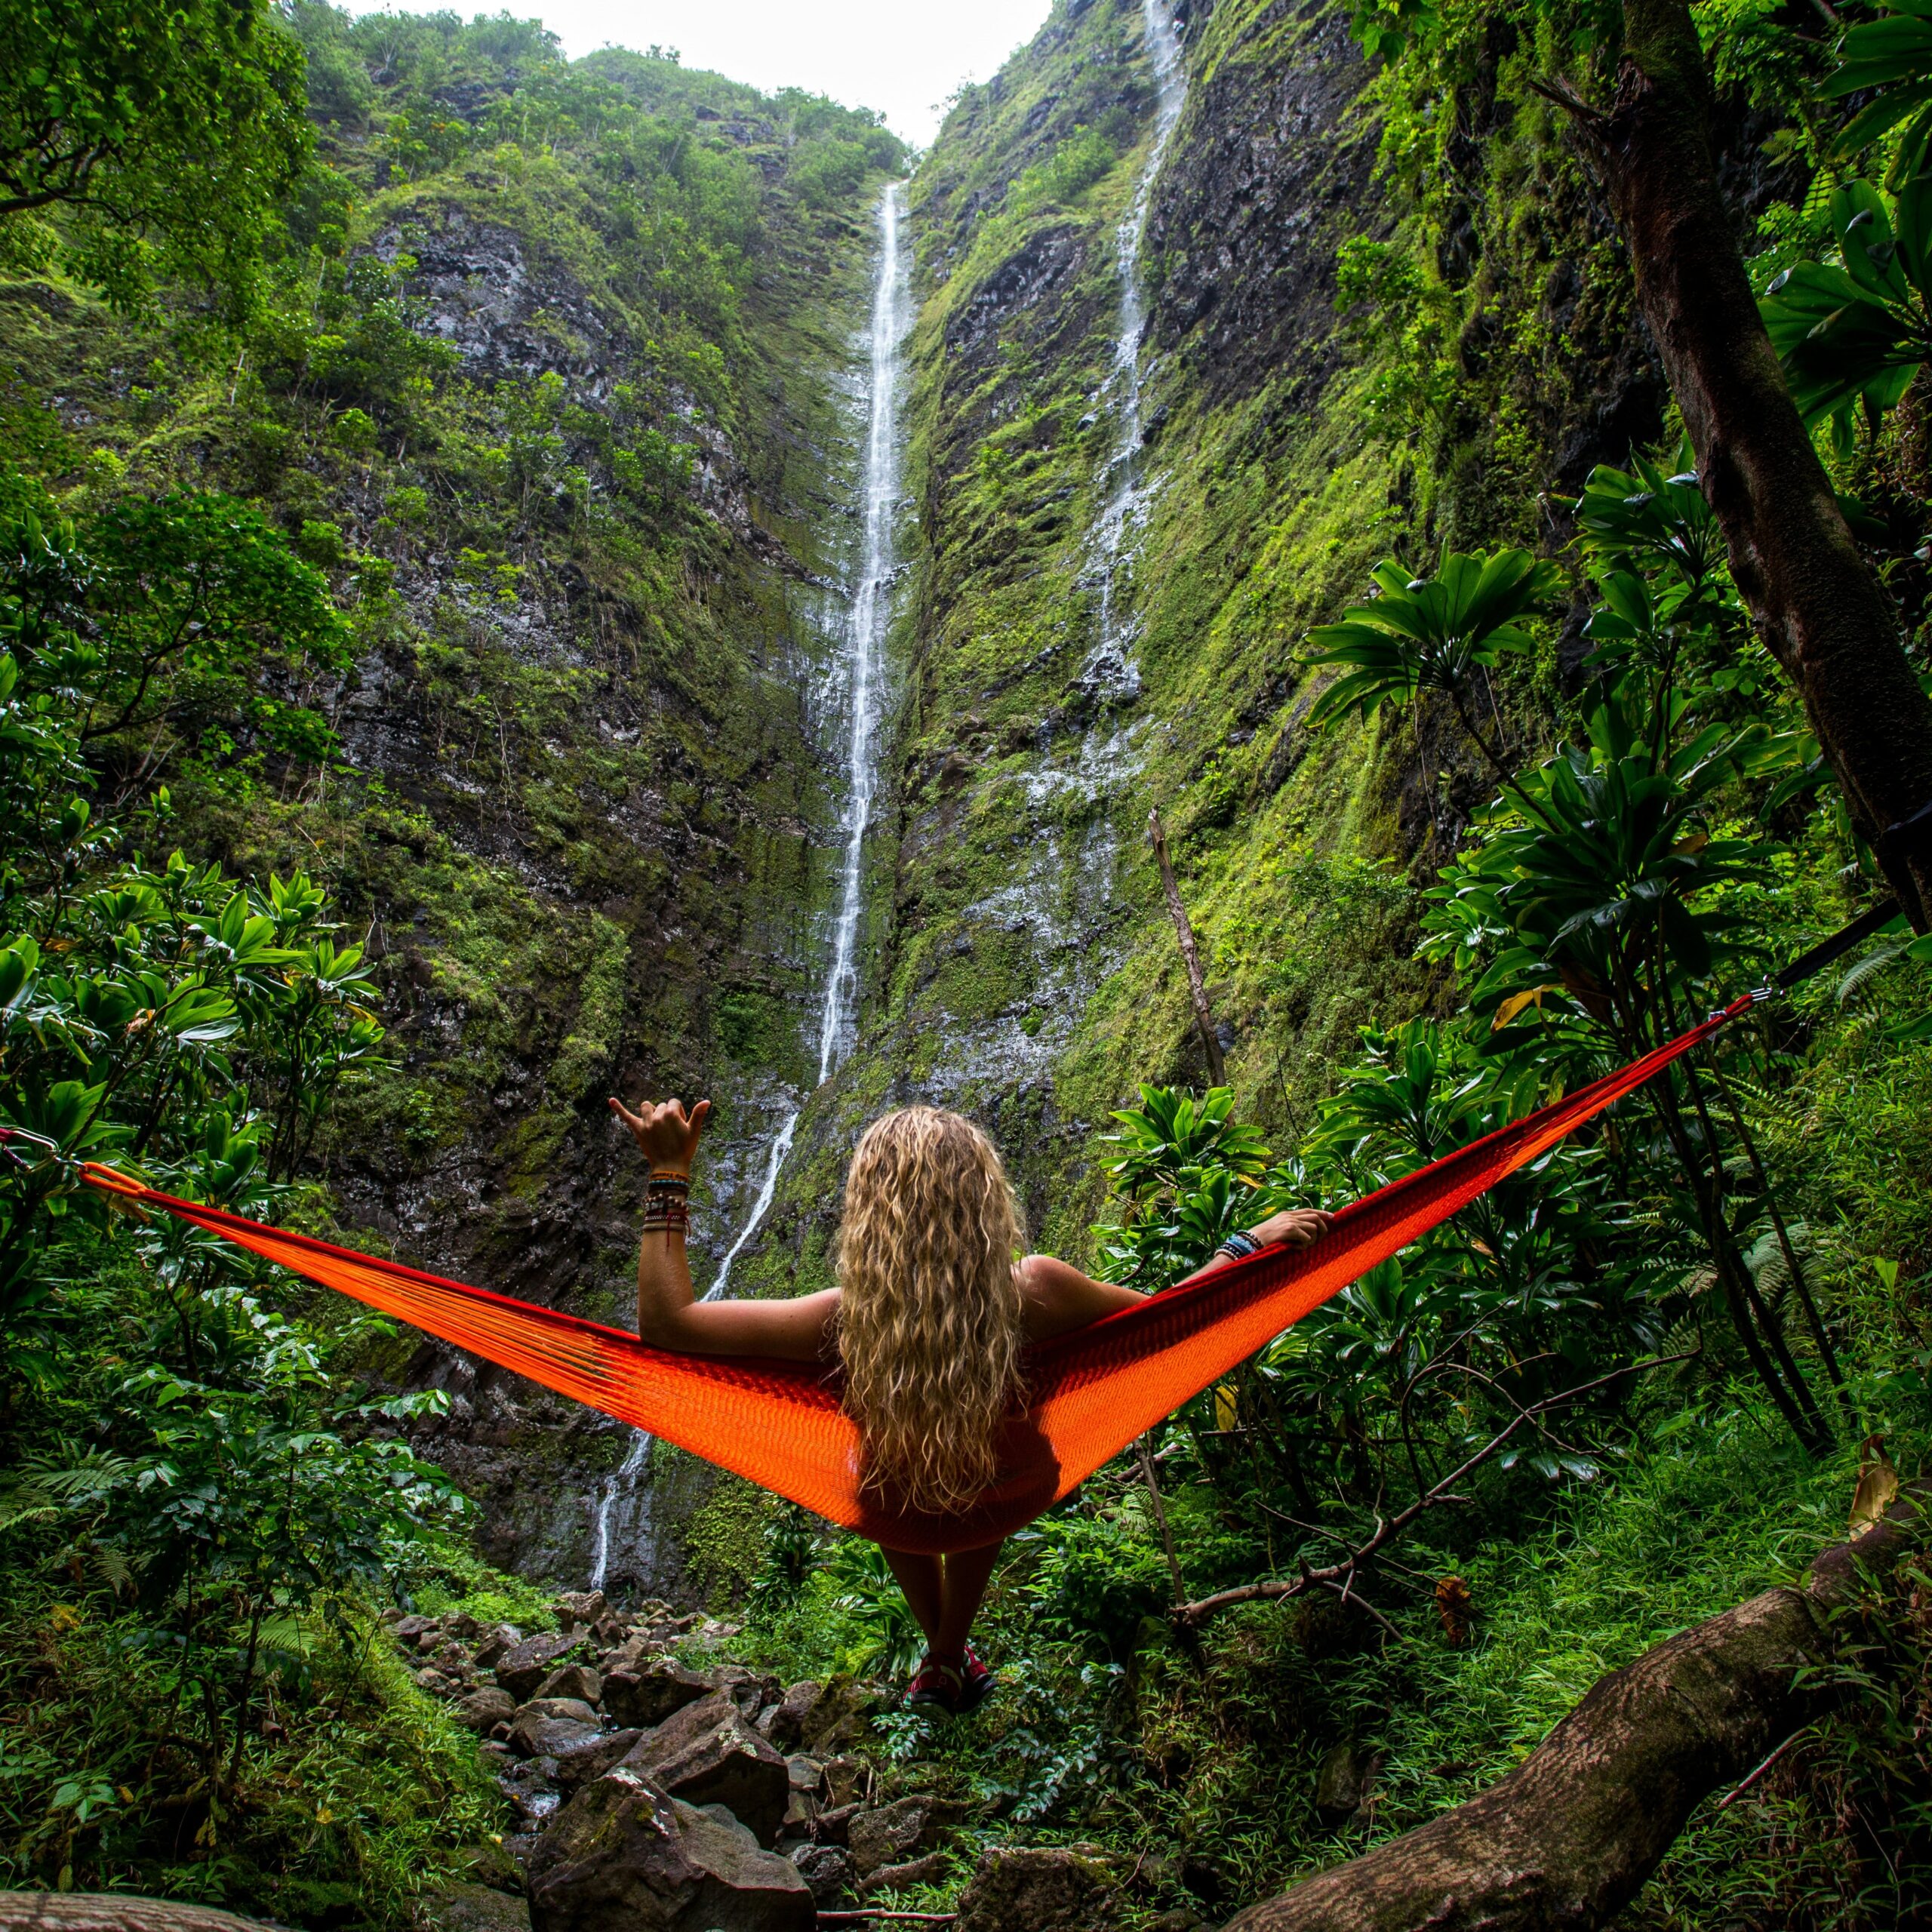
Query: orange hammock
[[779, 1424]]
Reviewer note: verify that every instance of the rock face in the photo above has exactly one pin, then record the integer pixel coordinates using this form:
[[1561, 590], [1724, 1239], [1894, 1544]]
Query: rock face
[[624, 1856], [1052, 1890], [707, 1754]]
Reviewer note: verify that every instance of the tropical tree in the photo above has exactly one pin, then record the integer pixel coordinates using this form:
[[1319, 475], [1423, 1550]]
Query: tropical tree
[[1434, 634], [140, 141]]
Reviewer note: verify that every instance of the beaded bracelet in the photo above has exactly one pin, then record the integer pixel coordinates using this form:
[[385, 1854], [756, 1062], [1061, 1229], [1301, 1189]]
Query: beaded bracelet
[[667, 1203], [1238, 1247]]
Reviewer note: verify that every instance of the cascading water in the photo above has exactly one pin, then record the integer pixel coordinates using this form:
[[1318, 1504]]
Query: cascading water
[[1110, 665], [1063, 894], [864, 630]]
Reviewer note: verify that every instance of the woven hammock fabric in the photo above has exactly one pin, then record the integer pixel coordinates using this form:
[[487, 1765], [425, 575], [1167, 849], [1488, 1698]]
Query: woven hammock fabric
[[779, 1424]]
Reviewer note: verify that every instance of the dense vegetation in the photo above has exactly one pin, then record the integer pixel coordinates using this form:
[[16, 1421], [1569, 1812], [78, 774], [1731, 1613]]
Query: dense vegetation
[[391, 630]]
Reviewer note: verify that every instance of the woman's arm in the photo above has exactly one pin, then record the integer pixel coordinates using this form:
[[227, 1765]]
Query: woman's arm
[[669, 1315], [1060, 1298]]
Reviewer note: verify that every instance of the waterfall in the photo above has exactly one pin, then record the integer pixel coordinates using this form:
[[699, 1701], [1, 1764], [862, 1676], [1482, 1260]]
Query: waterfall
[[864, 652], [1110, 667]]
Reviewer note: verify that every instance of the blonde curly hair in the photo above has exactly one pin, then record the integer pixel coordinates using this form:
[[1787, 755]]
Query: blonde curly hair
[[932, 1319]]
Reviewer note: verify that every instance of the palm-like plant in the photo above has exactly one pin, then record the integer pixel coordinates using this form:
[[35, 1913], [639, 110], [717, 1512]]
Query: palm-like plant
[[1433, 634], [1856, 330]]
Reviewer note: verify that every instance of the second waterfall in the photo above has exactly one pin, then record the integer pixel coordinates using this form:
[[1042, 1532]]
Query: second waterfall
[[621, 1509]]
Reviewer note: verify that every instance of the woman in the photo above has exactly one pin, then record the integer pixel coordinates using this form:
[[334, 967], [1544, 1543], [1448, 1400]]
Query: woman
[[933, 1309]]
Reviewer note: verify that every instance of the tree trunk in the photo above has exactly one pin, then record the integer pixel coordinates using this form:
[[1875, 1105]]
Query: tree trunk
[[113, 1912], [1819, 606], [1190, 954], [1564, 1842]]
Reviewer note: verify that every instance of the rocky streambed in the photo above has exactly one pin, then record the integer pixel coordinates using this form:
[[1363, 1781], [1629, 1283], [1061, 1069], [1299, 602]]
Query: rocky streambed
[[656, 1789]]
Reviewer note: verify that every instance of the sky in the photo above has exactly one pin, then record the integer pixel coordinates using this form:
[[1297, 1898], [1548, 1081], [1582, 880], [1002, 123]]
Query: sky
[[902, 57]]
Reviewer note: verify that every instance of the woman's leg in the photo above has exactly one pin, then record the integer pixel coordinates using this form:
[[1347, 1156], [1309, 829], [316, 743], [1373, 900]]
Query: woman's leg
[[967, 1574], [924, 1584]]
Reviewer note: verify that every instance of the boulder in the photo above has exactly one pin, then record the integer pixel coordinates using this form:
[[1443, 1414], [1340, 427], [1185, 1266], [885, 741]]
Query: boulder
[[579, 1606], [847, 1780], [485, 1708], [461, 1624], [835, 1826], [898, 1832], [928, 1870], [494, 1642], [624, 1853], [828, 1870], [646, 1697], [1344, 1780], [573, 1680], [836, 1720], [805, 1773], [410, 1631], [533, 1736], [590, 1757], [706, 1754], [466, 1908], [784, 1724], [1052, 1890], [574, 1709], [525, 1665]]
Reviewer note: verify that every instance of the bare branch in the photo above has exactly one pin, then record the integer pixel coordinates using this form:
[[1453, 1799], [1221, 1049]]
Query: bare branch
[[1339, 1576]]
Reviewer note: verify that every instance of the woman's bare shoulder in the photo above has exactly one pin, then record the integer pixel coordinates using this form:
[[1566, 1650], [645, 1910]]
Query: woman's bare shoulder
[[1060, 1298]]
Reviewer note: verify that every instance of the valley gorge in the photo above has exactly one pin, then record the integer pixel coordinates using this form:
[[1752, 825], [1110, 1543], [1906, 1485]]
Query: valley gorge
[[1182, 620]]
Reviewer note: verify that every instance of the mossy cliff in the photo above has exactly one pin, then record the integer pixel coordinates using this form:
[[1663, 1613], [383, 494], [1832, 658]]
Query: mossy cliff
[[558, 384], [1377, 323]]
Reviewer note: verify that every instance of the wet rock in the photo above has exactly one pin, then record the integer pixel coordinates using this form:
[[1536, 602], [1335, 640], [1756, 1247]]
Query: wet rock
[[470, 1908], [624, 1853], [532, 1792], [573, 1680], [484, 1709], [1051, 1890], [827, 1870], [784, 1724], [592, 1757], [706, 1754], [494, 1642], [1346, 1774], [525, 1665], [899, 1831], [646, 1698], [411, 1630], [609, 1629], [534, 1737]]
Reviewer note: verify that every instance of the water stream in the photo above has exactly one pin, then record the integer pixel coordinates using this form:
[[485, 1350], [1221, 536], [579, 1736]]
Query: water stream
[[1110, 667], [623, 1493]]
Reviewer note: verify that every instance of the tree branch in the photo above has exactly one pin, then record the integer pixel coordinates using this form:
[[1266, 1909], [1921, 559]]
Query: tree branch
[[1339, 1576]]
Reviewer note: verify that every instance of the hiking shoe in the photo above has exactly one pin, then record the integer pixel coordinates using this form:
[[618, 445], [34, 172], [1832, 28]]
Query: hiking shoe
[[980, 1683], [937, 1689]]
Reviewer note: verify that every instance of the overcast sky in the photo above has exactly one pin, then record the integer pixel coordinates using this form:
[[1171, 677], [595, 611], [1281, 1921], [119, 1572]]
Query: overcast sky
[[902, 57]]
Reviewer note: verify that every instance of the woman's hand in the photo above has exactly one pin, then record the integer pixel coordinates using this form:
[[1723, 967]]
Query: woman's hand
[[1293, 1227], [667, 1136]]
